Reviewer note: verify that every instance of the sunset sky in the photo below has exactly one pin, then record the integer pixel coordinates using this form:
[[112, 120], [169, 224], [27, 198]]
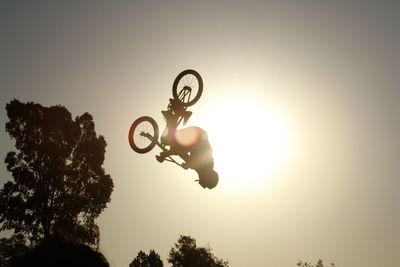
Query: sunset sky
[[300, 102]]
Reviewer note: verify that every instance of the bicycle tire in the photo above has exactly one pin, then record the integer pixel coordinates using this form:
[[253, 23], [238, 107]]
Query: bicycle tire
[[142, 144], [185, 81]]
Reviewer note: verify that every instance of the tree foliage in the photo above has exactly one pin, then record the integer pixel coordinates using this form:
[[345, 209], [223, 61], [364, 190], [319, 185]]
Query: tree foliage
[[144, 260], [319, 264], [186, 253], [11, 249], [59, 184], [61, 252]]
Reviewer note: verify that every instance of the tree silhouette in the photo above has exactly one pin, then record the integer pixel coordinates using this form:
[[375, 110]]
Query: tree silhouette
[[319, 264], [59, 184], [61, 252], [11, 249], [144, 260], [186, 253]]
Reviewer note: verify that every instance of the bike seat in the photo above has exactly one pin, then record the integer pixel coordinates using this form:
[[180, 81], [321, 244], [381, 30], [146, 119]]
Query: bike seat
[[165, 113]]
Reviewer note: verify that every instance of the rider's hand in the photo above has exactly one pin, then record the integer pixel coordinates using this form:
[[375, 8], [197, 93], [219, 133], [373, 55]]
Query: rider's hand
[[185, 165]]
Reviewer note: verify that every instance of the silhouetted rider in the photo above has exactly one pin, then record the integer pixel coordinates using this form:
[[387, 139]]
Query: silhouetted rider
[[199, 156], [192, 145]]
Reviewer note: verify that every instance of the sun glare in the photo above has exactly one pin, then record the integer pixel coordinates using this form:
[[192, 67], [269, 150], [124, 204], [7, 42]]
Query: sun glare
[[250, 142]]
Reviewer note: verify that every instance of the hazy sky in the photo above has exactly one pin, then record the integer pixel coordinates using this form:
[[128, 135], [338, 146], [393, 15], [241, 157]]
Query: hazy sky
[[314, 84]]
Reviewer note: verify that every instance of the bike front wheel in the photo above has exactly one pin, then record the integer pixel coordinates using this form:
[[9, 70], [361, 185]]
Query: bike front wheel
[[187, 87], [143, 134]]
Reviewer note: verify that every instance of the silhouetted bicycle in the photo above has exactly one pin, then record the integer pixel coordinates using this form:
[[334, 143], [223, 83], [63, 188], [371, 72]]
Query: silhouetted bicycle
[[144, 135]]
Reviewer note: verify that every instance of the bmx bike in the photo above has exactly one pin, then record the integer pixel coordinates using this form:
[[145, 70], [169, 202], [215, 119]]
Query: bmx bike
[[144, 133]]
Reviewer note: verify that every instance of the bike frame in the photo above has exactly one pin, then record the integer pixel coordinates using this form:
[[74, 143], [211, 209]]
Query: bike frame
[[151, 138], [169, 126]]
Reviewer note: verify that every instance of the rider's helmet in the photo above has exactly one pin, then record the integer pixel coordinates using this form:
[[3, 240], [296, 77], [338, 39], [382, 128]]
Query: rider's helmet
[[208, 178]]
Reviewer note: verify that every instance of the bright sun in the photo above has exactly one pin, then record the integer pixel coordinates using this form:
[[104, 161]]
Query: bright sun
[[249, 141]]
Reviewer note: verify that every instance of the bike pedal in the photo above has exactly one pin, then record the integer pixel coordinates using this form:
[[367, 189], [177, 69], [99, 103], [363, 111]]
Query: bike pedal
[[159, 159]]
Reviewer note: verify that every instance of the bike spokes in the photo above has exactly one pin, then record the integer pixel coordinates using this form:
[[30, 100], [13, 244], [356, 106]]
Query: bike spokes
[[187, 87], [184, 94], [143, 134]]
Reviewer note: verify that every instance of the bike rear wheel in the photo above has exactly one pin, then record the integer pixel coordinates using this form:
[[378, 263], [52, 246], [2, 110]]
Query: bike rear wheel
[[143, 134], [187, 87]]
